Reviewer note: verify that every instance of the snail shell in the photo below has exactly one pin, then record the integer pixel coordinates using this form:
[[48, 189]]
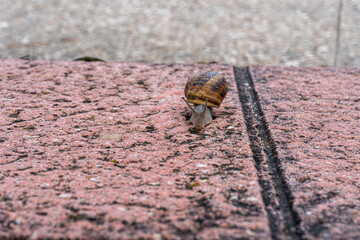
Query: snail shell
[[208, 85], [205, 90]]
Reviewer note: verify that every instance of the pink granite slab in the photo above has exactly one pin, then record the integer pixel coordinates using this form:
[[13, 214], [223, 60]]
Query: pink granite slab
[[314, 117], [103, 150]]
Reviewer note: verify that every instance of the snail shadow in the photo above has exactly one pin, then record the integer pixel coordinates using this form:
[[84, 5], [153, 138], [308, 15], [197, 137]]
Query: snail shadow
[[187, 114]]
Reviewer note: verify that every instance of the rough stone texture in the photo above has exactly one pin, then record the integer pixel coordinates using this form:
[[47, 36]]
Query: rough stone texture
[[262, 32], [104, 150], [314, 117]]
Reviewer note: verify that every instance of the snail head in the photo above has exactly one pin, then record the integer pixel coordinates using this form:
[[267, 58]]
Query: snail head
[[199, 115]]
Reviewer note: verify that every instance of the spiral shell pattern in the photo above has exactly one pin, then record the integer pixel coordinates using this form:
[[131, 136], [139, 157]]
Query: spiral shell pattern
[[208, 85]]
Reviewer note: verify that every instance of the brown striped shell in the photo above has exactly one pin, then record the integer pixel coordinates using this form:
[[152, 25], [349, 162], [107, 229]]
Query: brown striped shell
[[208, 85]]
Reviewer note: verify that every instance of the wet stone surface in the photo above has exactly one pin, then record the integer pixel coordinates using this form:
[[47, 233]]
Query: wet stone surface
[[314, 118], [104, 150]]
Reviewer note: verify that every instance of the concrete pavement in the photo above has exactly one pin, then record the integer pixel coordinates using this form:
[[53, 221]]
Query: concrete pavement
[[262, 32]]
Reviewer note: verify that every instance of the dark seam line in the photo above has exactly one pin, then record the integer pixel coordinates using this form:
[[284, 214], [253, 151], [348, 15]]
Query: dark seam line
[[284, 221]]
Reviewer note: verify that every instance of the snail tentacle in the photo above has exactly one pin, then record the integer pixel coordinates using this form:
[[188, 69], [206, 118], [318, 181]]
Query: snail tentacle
[[191, 108]]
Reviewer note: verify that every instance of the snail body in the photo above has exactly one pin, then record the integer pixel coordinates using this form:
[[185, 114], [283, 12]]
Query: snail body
[[205, 91]]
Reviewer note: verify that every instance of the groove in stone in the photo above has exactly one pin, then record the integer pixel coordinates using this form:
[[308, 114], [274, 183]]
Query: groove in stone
[[283, 220]]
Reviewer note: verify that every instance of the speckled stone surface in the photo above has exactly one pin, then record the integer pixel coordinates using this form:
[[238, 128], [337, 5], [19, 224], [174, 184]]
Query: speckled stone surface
[[314, 117], [103, 150]]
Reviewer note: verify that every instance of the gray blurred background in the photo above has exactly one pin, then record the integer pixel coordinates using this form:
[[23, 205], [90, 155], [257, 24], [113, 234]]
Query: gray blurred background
[[241, 32]]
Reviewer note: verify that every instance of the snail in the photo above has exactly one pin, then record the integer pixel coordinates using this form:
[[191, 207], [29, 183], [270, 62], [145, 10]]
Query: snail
[[205, 91]]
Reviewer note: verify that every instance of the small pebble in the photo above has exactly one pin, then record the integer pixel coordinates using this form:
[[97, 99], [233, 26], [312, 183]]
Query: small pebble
[[65, 195], [234, 198], [154, 184]]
